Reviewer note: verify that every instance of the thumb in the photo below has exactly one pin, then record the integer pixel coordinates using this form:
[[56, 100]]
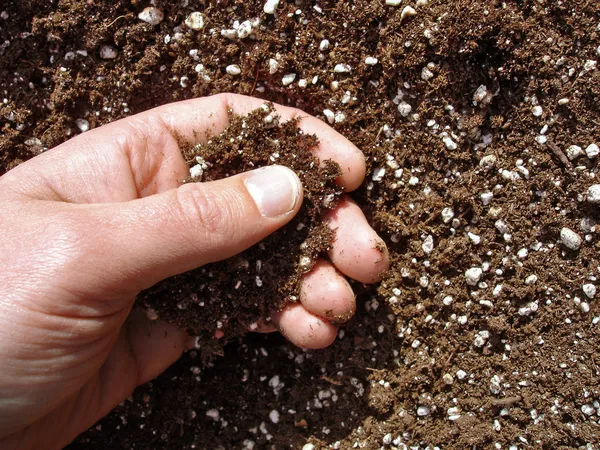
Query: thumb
[[162, 235]]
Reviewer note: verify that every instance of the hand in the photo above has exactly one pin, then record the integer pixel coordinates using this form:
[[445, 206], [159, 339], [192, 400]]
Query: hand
[[83, 231]]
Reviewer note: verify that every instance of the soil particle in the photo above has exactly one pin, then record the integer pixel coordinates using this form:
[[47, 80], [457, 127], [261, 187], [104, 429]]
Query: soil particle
[[476, 143]]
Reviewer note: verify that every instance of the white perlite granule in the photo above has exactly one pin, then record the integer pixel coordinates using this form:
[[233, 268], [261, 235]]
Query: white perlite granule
[[404, 109], [378, 174], [195, 21], [593, 193], [573, 152], [108, 52], [481, 338], [329, 115], [473, 275], [588, 410], [408, 11], [233, 70], [288, 79], [570, 239], [427, 245], [528, 309], [480, 94], [274, 416], [453, 413], [151, 15], [589, 290], [273, 66], [342, 68], [196, 171], [447, 214], [449, 143], [213, 414], [423, 411], [592, 151], [531, 279], [271, 6], [83, 125]]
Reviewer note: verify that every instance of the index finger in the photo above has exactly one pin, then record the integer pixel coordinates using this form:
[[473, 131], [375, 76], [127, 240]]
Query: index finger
[[141, 155], [192, 119]]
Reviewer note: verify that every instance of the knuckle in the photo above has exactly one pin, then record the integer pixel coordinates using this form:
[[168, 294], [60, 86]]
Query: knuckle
[[225, 98], [225, 102], [202, 209]]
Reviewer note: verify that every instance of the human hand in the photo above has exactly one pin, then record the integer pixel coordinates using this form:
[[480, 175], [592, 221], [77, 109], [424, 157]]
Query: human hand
[[88, 225]]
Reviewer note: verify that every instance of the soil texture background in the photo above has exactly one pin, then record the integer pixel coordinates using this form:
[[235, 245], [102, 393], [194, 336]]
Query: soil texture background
[[480, 121]]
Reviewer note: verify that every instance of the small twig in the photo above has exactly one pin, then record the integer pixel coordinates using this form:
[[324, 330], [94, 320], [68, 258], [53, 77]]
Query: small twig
[[113, 22], [255, 79], [378, 134], [450, 358], [595, 366], [559, 154], [507, 401], [331, 380]]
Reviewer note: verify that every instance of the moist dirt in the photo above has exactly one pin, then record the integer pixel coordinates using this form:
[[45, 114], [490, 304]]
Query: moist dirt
[[480, 123], [208, 300]]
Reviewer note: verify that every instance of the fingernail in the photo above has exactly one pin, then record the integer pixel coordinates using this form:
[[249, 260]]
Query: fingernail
[[275, 190]]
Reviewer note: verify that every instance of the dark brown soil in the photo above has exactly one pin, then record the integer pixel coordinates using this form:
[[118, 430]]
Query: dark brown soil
[[232, 296], [516, 355]]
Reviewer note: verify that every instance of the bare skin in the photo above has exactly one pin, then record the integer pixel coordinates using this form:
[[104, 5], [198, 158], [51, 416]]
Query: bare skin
[[89, 224]]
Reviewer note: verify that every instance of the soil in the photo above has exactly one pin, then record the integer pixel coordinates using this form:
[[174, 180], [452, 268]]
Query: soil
[[468, 120], [266, 276]]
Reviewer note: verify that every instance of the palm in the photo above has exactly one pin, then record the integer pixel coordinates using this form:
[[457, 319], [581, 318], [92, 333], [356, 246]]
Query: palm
[[105, 367], [70, 347]]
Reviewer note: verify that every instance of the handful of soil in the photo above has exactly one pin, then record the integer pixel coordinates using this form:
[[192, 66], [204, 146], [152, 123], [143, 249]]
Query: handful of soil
[[232, 295]]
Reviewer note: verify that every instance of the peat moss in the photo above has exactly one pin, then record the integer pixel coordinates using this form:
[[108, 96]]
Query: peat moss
[[233, 294], [522, 51]]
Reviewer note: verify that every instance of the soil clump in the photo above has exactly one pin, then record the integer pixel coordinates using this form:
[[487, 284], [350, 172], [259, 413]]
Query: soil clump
[[480, 123], [233, 295]]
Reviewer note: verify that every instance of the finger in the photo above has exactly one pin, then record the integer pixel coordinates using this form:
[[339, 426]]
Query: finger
[[141, 155], [150, 239], [262, 326], [357, 251], [213, 114], [304, 329], [325, 292]]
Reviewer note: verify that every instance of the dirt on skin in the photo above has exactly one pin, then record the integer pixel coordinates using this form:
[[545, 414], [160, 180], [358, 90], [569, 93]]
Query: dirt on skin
[[237, 294], [468, 119]]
